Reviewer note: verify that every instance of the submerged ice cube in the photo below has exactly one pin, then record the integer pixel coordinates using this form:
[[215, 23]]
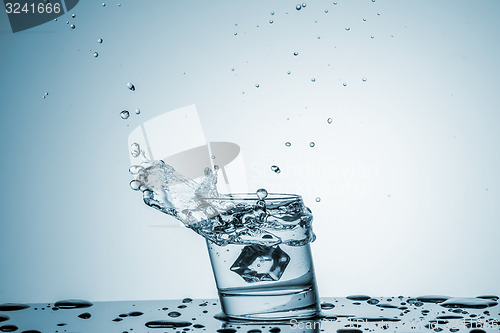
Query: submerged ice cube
[[261, 263]]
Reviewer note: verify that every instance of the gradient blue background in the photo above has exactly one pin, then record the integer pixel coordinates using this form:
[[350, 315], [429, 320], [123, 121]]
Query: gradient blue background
[[407, 172]]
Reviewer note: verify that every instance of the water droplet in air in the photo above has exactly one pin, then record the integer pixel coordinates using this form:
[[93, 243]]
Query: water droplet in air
[[99, 40], [326, 10], [364, 20], [312, 144], [135, 169], [288, 144], [347, 28], [103, 4], [124, 114], [289, 72], [135, 185], [335, 3], [313, 80], [275, 168], [257, 85], [72, 26], [235, 33], [318, 199], [344, 84], [73, 16], [137, 111], [304, 5], [295, 53], [96, 54], [261, 193], [271, 21], [329, 120], [372, 36], [135, 150], [363, 79], [130, 86], [298, 7], [272, 13]]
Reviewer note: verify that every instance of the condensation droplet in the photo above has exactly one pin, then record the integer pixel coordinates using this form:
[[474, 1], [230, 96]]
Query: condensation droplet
[[130, 86], [312, 144], [288, 144], [124, 114], [275, 168]]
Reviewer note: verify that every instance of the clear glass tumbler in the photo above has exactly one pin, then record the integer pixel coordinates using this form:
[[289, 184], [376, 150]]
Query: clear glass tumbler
[[262, 260]]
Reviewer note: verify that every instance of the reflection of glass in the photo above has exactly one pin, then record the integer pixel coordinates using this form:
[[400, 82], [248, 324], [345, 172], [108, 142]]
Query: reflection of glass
[[266, 273]]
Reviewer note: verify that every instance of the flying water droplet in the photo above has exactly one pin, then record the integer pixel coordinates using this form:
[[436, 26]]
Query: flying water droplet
[[344, 84], [135, 185], [130, 86], [304, 5], [347, 28], [312, 144], [271, 21], [135, 150], [272, 13], [72, 26], [96, 54], [313, 80], [137, 111], [124, 114], [261, 193], [289, 72], [73, 16], [275, 168], [326, 11], [363, 79], [295, 53], [298, 7], [103, 4], [329, 120], [99, 40], [318, 199], [257, 85], [288, 144]]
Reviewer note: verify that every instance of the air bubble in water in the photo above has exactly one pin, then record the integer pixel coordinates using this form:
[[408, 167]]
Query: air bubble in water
[[96, 54], [312, 144], [135, 150], [135, 185], [72, 26], [130, 86], [275, 168], [298, 7], [137, 111], [318, 199], [288, 144], [329, 120], [124, 114], [99, 40], [261, 193]]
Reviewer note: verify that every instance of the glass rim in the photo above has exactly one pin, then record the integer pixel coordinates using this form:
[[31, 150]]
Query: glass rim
[[253, 196]]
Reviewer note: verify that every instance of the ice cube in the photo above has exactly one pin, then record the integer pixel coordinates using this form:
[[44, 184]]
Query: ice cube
[[261, 263]]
